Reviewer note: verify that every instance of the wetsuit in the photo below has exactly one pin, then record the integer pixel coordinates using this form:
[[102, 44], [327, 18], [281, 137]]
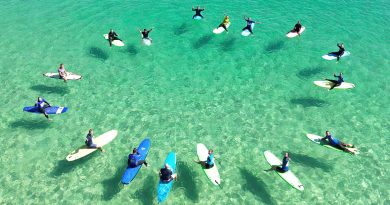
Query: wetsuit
[[337, 82], [248, 25], [334, 142], [297, 28], [210, 161], [166, 175], [145, 34], [284, 167], [42, 105], [224, 23], [338, 53], [134, 160], [197, 12], [89, 141], [112, 36]]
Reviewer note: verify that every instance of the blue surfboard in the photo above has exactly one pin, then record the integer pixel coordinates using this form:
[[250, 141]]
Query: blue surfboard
[[49, 110], [131, 172], [164, 188]]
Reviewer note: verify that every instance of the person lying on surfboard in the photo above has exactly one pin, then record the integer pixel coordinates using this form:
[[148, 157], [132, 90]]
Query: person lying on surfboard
[[145, 33], [249, 22], [89, 141], [62, 72], [209, 163], [135, 159], [297, 28], [339, 144], [340, 52], [166, 174], [42, 104], [197, 11], [337, 82], [112, 36], [224, 23], [284, 166]]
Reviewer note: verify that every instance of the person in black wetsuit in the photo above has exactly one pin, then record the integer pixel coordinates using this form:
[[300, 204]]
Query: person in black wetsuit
[[42, 104], [112, 36], [166, 174], [197, 11], [135, 159], [249, 22], [297, 28], [145, 33], [337, 82], [340, 52]]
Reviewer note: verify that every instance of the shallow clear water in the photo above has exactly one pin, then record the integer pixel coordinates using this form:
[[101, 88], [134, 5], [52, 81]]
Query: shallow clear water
[[238, 95]]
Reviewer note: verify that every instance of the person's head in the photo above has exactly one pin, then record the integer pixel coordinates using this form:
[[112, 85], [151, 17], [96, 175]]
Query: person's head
[[61, 65], [342, 45], [286, 154], [226, 17], [39, 99], [327, 132], [111, 30], [166, 166], [134, 150], [145, 30], [210, 151], [90, 131], [341, 74], [249, 18], [299, 21], [198, 7]]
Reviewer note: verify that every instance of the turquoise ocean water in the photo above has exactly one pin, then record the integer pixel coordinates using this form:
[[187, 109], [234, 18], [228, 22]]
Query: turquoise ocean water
[[238, 95]]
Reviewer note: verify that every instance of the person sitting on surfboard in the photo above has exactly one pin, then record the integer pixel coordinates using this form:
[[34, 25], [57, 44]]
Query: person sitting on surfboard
[[42, 104], [112, 36], [166, 174], [283, 167], [135, 159], [297, 28], [249, 22], [337, 82], [225, 22], [145, 33], [209, 163], [89, 141], [340, 52], [197, 11], [62, 72], [339, 144]]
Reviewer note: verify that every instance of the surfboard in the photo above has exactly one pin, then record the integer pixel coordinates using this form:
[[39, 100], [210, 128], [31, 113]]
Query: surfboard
[[99, 141], [147, 41], [246, 31], [294, 34], [197, 17], [328, 84], [131, 172], [49, 110], [114, 42], [212, 173], [163, 188], [330, 57], [288, 176], [221, 29], [69, 76], [317, 139]]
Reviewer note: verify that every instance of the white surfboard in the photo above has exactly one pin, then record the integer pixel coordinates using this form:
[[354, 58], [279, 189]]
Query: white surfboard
[[328, 84], [212, 173], [294, 34], [317, 139], [69, 76], [330, 57], [114, 42], [220, 29], [288, 176], [246, 31], [147, 41], [99, 141]]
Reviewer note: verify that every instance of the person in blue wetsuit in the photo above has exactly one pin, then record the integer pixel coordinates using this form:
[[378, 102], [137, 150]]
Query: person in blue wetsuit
[[197, 11], [89, 141], [337, 82], [339, 144], [166, 174], [209, 163], [284, 167], [249, 22], [135, 159], [42, 104], [340, 52]]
